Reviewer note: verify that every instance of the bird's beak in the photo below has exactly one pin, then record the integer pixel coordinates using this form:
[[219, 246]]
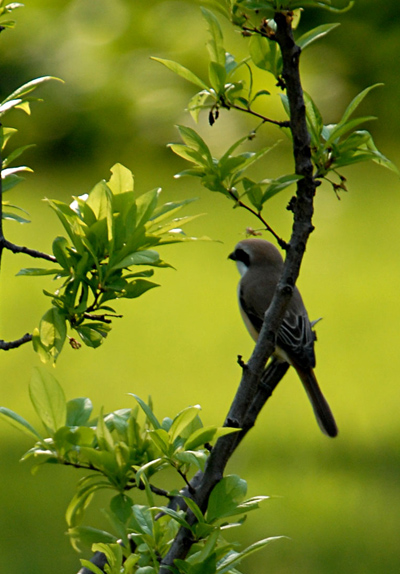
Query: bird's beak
[[232, 256]]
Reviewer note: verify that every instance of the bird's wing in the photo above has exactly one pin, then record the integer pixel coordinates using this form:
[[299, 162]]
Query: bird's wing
[[296, 338], [295, 335]]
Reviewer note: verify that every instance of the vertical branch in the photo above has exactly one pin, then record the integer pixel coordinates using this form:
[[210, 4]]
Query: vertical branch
[[250, 398]]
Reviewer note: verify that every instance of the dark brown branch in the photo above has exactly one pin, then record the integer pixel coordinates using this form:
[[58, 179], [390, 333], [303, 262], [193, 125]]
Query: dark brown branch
[[102, 318], [245, 406], [7, 345], [5, 244]]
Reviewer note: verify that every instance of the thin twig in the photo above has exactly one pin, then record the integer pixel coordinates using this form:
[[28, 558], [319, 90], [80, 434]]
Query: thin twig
[[7, 345], [4, 243], [281, 124], [282, 243], [102, 318]]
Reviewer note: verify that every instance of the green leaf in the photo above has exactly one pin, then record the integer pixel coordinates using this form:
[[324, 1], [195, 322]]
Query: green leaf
[[36, 271], [278, 184], [90, 566], [315, 34], [14, 154], [25, 89], [48, 399], [192, 139], [100, 202], [215, 44], [10, 181], [14, 217], [227, 564], [121, 506], [356, 102], [148, 412], [265, 54], [92, 334], [182, 421], [217, 76], [88, 536], [81, 500], [146, 205], [205, 435], [178, 516], [225, 497], [138, 287], [60, 251], [342, 128], [161, 439], [197, 458], [121, 180], [197, 103], [79, 411], [182, 71], [254, 193], [315, 122], [169, 209], [53, 331], [19, 422], [190, 154], [145, 257]]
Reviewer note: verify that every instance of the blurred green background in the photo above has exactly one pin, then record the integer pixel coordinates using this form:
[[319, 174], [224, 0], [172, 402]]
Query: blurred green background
[[337, 501]]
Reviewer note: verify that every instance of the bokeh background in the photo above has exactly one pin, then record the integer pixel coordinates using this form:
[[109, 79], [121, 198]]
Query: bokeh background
[[337, 501]]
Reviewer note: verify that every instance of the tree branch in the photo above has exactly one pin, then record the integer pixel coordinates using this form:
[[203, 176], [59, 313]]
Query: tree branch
[[250, 396], [7, 345], [257, 383], [5, 244]]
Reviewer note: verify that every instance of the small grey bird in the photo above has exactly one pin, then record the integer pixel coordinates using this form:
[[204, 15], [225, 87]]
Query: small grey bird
[[260, 266]]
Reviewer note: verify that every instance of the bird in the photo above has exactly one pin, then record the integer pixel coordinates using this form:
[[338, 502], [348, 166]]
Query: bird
[[260, 265]]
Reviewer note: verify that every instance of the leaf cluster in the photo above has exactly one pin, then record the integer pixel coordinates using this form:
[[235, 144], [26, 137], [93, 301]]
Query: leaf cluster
[[335, 146], [332, 146], [124, 454], [6, 9], [20, 99], [107, 254]]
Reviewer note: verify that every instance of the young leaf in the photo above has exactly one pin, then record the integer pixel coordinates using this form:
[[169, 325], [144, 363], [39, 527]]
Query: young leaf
[[19, 422], [48, 399], [225, 497], [215, 43], [138, 287], [227, 564], [121, 180], [217, 76], [88, 536], [79, 411], [53, 331], [182, 421], [315, 34], [148, 412], [204, 435], [183, 72], [356, 102]]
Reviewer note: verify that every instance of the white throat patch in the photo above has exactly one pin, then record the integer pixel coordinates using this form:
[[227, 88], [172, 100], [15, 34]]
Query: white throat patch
[[242, 268]]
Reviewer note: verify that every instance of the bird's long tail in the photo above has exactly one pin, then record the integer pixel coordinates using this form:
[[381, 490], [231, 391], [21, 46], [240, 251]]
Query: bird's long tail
[[322, 411]]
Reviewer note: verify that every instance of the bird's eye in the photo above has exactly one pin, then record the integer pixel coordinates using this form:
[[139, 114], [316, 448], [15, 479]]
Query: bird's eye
[[243, 256]]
